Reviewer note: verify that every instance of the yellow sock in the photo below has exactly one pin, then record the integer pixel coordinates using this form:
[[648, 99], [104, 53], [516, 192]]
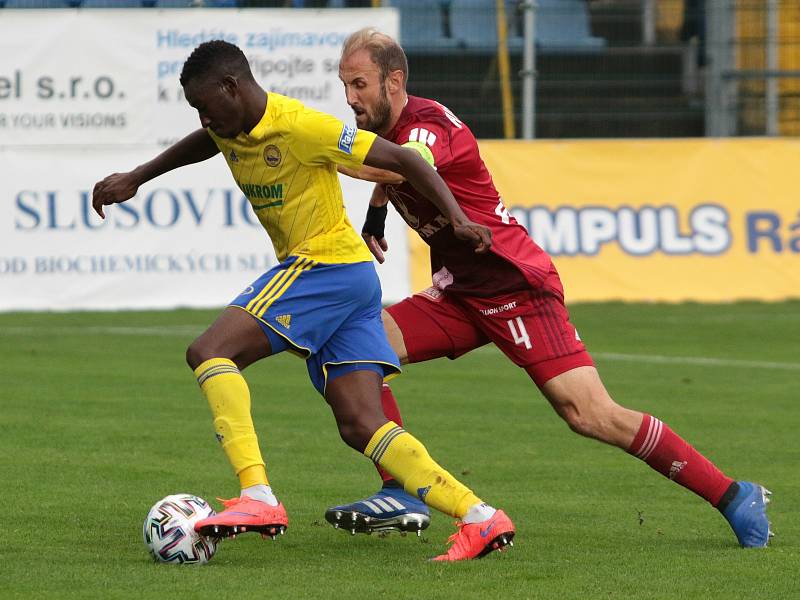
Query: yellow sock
[[404, 456], [229, 398]]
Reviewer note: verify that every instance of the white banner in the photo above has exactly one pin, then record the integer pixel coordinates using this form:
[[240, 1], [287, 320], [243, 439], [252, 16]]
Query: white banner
[[85, 93], [188, 238], [111, 76]]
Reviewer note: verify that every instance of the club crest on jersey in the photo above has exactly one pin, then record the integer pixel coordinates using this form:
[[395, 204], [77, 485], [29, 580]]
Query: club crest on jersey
[[347, 138], [272, 155]]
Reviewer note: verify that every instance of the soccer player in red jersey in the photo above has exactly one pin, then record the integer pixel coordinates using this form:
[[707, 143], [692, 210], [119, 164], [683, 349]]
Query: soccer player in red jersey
[[511, 296]]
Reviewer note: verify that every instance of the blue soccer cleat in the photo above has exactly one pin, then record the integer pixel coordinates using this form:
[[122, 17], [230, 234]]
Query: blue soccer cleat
[[391, 509], [747, 515]]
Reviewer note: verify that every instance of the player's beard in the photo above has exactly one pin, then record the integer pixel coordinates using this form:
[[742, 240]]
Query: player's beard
[[378, 121]]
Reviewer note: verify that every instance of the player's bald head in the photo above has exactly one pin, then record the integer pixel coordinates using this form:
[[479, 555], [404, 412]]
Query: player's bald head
[[384, 51], [215, 60]]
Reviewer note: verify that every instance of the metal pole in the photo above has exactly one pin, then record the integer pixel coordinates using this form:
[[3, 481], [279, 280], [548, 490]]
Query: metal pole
[[731, 86], [504, 66], [714, 81], [771, 88], [648, 22], [721, 88], [528, 72]]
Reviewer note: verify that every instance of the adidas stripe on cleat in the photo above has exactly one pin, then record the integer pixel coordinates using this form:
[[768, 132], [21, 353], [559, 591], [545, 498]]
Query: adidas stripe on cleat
[[242, 515], [747, 515], [391, 509], [476, 540]]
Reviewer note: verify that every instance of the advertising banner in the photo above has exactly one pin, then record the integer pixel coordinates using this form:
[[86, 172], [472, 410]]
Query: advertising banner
[[655, 220], [111, 76], [188, 238], [86, 93]]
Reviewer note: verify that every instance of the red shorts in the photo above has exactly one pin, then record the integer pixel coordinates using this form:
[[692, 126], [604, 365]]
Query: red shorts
[[531, 327]]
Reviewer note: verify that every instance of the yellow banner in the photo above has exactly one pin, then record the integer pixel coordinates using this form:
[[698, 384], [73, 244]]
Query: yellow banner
[[655, 220]]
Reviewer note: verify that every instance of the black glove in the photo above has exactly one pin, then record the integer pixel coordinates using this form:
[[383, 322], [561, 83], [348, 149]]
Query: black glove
[[375, 222]]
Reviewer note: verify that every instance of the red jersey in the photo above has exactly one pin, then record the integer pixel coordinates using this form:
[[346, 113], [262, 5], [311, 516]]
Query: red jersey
[[514, 262]]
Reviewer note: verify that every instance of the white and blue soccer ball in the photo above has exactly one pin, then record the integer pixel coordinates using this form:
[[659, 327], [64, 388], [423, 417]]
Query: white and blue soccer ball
[[169, 530]]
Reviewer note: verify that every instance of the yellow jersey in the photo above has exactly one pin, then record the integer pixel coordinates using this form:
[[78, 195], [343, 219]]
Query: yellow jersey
[[286, 167]]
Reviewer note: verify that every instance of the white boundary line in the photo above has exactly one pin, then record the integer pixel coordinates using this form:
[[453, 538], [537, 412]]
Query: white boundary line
[[189, 330], [707, 361], [164, 330], [696, 360]]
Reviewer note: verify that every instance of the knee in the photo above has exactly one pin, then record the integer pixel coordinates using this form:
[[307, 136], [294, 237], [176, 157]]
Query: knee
[[603, 421], [355, 433], [582, 422], [595, 418], [197, 353]]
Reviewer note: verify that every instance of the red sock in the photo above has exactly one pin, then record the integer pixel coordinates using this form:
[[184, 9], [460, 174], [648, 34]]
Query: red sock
[[392, 412], [666, 452]]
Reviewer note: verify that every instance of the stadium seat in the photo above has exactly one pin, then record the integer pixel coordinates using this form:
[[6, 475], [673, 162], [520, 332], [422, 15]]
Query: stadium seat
[[422, 26], [475, 23], [560, 25], [564, 25], [192, 3], [42, 3], [111, 4]]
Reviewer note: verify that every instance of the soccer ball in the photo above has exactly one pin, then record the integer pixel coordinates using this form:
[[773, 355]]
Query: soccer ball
[[169, 530]]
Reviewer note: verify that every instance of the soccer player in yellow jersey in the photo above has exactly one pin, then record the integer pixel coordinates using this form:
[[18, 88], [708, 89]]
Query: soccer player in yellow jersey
[[322, 301]]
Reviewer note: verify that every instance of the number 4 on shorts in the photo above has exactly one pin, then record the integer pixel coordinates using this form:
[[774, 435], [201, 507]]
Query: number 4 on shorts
[[519, 332]]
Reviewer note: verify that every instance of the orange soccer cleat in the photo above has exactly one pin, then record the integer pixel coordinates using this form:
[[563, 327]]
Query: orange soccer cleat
[[242, 515], [476, 540]]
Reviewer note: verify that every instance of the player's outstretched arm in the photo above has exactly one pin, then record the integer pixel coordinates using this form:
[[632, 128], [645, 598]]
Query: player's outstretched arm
[[372, 174], [119, 187], [408, 163]]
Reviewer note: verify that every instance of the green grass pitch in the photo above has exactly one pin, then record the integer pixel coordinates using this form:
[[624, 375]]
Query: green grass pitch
[[100, 418]]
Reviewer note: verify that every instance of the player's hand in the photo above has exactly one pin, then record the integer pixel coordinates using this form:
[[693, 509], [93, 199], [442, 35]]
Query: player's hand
[[376, 246], [479, 236], [113, 189]]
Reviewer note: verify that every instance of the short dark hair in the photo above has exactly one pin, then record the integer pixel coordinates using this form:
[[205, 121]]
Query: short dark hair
[[215, 57]]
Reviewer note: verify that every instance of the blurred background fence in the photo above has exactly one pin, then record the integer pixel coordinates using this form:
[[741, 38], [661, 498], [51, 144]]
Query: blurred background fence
[[603, 68]]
